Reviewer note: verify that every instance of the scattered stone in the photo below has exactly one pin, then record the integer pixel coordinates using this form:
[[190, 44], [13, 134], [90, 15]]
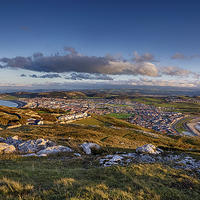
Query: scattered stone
[[116, 158], [109, 156], [13, 140], [147, 148], [87, 147], [34, 145], [6, 148], [2, 139], [147, 158], [30, 154], [160, 150], [102, 161], [133, 155], [54, 149], [77, 154], [42, 155]]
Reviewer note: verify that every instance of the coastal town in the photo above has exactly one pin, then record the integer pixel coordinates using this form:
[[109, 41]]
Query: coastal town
[[155, 118]]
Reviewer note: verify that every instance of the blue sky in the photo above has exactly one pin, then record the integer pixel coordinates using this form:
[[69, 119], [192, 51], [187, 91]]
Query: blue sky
[[90, 44]]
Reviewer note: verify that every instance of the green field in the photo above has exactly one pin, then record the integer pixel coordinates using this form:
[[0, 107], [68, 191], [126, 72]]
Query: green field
[[10, 98], [120, 115], [180, 127]]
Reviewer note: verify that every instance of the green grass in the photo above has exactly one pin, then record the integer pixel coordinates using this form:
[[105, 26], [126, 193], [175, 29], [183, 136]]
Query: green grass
[[10, 98], [64, 176], [38, 178], [120, 115], [180, 124], [180, 127], [90, 121], [181, 130], [43, 112]]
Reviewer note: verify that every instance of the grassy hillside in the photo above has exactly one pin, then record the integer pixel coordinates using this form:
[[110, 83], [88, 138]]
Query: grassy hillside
[[55, 94], [65, 176], [15, 115]]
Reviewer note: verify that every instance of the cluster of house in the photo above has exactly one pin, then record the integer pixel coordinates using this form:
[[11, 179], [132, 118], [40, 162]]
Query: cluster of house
[[140, 114], [72, 116], [179, 100], [33, 121], [155, 119]]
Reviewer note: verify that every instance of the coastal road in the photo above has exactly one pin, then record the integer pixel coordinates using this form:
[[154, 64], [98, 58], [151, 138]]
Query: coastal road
[[174, 126], [184, 126], [189, 129]]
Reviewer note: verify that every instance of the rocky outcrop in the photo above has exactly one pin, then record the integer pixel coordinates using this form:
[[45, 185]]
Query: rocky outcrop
[[38, 147], [2, 139], [13, 140], [88, 146], [54, 149], [35, 145], [6, 148], [148, 148]]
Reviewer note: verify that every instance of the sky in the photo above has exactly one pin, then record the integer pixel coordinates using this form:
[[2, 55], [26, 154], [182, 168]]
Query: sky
[[88, 44]]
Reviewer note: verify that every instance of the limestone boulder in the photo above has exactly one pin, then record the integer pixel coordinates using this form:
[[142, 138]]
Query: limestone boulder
[[6, 148], [147, 158], [13, 140], [34, 145], [88, 146], [54, 149], [147, 148]]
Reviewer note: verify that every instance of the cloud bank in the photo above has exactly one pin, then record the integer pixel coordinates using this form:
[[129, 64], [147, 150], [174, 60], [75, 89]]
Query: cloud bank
[[86, 76], [180, 56], [74, 62], [94, 67], [44, 76]]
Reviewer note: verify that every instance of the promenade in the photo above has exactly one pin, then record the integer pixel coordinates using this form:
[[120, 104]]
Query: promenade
[[192, 125]]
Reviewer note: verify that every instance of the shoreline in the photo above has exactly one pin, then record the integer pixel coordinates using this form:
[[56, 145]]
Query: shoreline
[[19, 103], [193, 125]]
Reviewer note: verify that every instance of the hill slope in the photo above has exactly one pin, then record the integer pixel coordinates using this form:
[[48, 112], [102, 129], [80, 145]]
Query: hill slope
[[67, 176]]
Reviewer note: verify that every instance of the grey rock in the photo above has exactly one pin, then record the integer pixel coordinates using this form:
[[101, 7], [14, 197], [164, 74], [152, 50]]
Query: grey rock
[[34, 145], [54, 149], [77, 154], [42, 155], [147, 148], [13, 140], [2, 139], [87, 147], [6, 148], [158, 149], [132, 155], [30, 154], [116, 158], [147, 158]]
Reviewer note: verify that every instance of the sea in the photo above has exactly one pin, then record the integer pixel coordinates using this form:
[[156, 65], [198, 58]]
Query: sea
[[8, 103]]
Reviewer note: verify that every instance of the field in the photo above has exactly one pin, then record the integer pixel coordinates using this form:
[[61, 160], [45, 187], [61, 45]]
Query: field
[[65, 176], [10, 98], [120, 115], [150, 101]]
